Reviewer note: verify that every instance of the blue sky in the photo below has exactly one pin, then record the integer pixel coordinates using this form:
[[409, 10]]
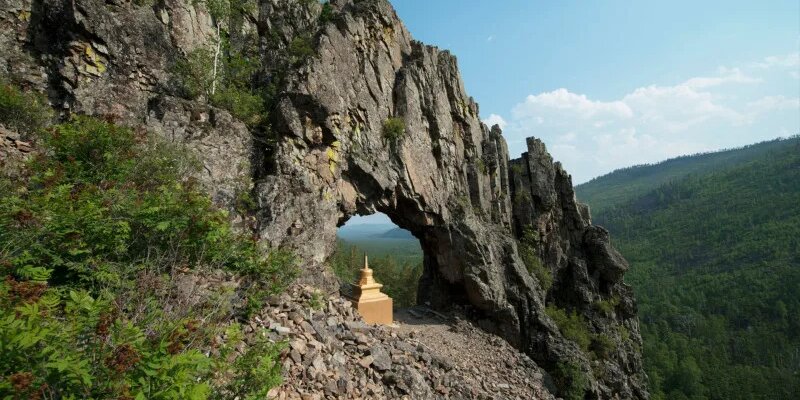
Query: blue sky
[[608, 84], [613, 83]]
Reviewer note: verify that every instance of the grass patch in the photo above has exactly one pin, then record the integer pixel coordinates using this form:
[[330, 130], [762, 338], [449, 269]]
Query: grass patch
[[482, 166], [22, 111], [571, 381], [572, 326], [528, 250], [603, 346], [394, 129], [607, 307]]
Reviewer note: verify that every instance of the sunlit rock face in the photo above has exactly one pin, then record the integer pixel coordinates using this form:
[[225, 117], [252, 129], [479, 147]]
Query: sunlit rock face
[[447, 177]]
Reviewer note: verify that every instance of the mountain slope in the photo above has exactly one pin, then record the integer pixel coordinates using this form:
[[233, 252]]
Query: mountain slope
[[625, 184], [715, 261]]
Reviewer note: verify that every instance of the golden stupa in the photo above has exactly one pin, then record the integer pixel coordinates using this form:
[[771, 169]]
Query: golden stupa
[[375, 307]]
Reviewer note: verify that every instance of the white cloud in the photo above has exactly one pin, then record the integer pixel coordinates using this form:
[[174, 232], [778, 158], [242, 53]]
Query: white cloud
[[562, 100], [676, 108], [774, 103], [726, 75], [733, 107], [783, 61], [768, 106], [495, 119]]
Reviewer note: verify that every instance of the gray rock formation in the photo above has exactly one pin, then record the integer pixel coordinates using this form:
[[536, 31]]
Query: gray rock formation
[[325, 157]]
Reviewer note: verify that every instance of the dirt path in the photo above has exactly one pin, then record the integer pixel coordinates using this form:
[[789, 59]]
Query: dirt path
[[487, 363]]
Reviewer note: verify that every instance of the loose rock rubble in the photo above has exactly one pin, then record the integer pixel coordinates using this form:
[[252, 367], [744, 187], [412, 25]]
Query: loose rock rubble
[[333, 354], [13, 152]]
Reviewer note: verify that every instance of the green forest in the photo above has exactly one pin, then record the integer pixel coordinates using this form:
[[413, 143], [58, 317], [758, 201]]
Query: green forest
[[714, 247], [397, 264]]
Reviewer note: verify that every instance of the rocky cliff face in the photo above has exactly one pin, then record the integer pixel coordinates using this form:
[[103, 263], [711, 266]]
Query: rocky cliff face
[[327, 156]]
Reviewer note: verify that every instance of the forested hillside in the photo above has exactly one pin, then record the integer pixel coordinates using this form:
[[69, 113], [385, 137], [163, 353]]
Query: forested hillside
[[714, 247], [623, 185]]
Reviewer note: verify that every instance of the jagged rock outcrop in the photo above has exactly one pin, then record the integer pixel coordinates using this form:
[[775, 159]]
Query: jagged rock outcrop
[[326, 157]]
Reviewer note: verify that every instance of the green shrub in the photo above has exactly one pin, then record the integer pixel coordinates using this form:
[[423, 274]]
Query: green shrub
[[231, 89], [253, 373], [327, 14], [571, 381], [530, 256], [300, 49], [521, 198], [93, 244], [317, 301], [482, 166], [394, 129], [624, 333], [607, 307], [246, 106], [76, 346], [572, 326], [21, 111], [100, 197], [195, 73], [603, 345], [220, 10]]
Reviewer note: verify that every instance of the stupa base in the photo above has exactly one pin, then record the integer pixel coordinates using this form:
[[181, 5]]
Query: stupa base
[[375, 311]]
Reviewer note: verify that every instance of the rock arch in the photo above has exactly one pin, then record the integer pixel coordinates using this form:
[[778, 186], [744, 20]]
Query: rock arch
[[448, 180]]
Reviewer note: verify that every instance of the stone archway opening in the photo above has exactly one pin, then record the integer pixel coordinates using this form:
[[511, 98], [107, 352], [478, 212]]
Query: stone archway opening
[[395, 255]]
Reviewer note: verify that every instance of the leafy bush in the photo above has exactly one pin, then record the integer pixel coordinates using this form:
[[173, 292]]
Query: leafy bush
[[231, 88], [327, 14], [78, 347], [246, 106], [253, 373], [572, 326], [394, 129], [530, 256], [195, 73], [603, 345], [94, 244], [606, 307], [300, 48], [102, 199], [317, 301], [521, 198], [22, 111], [571, 381]]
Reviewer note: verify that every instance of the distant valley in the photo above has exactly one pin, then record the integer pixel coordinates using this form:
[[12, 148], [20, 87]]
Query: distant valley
[[382, 240], [714, 246]]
